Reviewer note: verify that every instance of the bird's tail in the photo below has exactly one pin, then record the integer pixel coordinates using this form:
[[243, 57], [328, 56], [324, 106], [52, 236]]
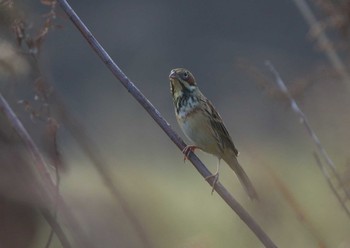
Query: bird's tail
[[242, 176]]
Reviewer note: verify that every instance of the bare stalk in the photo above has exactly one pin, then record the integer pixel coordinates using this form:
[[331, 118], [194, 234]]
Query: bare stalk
[[154, 113], [302, 117], [55, 228], [48, 189], [330, 183]]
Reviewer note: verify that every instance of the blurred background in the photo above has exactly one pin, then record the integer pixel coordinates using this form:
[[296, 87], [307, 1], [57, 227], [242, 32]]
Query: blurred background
[[94, 133]]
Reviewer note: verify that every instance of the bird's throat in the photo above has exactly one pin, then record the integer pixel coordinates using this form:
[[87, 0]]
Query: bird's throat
[[185, 102]]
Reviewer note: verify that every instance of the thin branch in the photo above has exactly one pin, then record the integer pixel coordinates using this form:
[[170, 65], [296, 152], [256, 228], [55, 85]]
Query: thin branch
[[57, 162], [323, 41], [50, 238], [48, 190], [311, 132], [154, 113], [330, 183], [56, 228]]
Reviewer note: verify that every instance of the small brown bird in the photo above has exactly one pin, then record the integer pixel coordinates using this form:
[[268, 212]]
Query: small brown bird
[[203, 126]]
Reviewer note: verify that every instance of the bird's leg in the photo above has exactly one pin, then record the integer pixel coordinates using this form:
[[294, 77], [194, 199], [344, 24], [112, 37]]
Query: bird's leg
[[216, 177], [187, 150]]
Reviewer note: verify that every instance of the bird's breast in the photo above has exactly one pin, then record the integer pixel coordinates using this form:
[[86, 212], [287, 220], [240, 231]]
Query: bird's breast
[[196, 126]]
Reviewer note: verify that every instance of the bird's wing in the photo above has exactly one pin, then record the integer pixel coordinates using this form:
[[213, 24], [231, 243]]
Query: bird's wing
[[219, 129]]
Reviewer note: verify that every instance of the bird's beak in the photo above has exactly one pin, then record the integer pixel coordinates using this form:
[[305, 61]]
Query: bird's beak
[[173, 74]]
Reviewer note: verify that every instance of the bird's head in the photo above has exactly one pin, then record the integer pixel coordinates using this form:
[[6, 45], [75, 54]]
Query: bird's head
[[181, 81]]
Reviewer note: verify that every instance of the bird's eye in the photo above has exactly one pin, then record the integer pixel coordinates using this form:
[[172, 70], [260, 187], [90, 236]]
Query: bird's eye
[[185, 75]]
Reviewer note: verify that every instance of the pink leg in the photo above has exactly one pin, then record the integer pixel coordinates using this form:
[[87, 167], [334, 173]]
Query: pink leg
[[216, 177], [187, 150]]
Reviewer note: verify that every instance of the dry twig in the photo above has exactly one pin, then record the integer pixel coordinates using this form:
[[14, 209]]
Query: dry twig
[[48, 189], [322, 151], [330, 183]]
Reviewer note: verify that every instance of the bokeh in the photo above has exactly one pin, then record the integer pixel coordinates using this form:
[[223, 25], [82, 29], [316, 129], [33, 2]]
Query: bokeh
[[225, 45]]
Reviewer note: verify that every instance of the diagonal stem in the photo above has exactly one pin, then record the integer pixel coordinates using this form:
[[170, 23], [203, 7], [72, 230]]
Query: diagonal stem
[[154, 113], [330, 184], [48, 189], [303, 119]]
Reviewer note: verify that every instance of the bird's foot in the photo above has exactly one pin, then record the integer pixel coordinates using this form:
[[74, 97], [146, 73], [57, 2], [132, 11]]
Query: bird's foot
[[187, 150], [215, 181]]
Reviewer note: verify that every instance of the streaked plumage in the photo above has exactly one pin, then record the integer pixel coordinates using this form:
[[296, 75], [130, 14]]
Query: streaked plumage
[[202, 124]]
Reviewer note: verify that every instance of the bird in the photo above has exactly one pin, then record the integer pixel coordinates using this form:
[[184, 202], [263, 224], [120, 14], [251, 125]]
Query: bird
[[204, 127]]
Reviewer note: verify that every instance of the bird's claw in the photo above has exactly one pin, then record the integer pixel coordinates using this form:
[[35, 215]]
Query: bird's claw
[[215, 181], [187, 151]]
